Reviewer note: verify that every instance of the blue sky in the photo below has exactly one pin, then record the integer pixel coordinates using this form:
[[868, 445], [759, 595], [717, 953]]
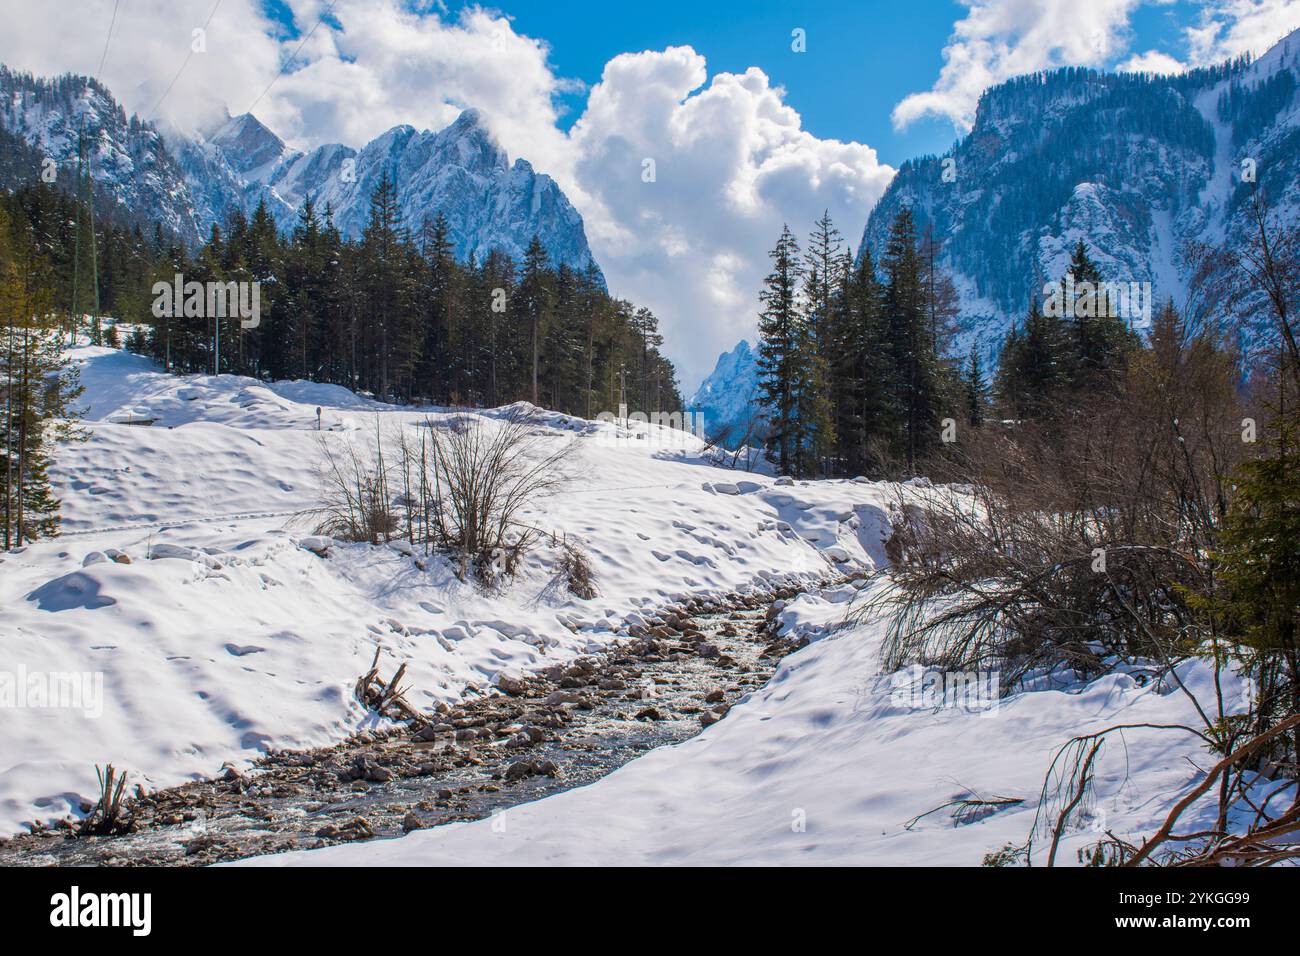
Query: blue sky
[[861, 57]]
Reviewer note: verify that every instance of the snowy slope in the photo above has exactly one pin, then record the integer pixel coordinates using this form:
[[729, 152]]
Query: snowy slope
[[233, 638], [825, 765]]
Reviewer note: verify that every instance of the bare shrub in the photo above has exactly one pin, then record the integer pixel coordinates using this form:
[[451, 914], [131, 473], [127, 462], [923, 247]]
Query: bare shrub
[[457, 486], [473, 476], [980, 582], [1266, 836], [1078, 541], [355, 486], [575, 565], [108, 817]]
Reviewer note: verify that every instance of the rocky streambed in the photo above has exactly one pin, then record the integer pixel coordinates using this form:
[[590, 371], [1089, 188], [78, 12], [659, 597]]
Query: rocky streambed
[[565, 727]]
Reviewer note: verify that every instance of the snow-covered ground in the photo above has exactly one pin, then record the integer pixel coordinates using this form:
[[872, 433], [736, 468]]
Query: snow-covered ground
[[239, 639], [234, 638], [828, 764]]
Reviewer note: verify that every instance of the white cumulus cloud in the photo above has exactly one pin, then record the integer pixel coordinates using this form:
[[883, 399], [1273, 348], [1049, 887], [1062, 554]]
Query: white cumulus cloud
[[1152, 61], [1229, 28], [731, 164], [999, 39]]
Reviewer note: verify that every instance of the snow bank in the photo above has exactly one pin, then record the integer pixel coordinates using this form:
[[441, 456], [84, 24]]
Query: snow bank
[[828, 764]]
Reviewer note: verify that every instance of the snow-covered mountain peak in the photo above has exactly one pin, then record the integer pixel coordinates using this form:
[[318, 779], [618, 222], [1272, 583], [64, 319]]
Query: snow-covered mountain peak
[[194, 179], [1139, 167], [728, 398], [247, 144]]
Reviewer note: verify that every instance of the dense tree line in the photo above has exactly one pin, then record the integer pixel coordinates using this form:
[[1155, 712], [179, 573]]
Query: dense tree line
[[397, 316], [857, 375], [391, 314], [1250, 108], [852, 360]]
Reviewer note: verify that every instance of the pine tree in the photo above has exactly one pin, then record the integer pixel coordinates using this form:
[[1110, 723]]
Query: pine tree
[[1033, 371], [37, 387], [866, 387], [535, 295], [917, 390], [975, 389], [385, 285], [825, 276], [779, 354], [262, 255], [1101, 341], [434, 375]]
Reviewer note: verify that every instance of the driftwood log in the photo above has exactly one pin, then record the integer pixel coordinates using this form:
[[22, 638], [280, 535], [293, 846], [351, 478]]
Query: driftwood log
[[387, 698]]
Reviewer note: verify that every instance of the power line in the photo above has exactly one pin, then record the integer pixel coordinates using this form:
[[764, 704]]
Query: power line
[[83, 172], [183, 65], [108, 39], [328, 10]]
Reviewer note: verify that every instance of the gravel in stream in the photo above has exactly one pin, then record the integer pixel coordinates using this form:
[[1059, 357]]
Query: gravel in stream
[[563, 728]]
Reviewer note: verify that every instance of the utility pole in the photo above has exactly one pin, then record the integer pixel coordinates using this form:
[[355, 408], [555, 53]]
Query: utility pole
[[76, 239], [622, 395]]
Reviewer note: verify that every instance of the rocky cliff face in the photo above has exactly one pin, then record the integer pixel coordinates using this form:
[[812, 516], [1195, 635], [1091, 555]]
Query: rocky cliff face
[[58, 118], [460, 172]]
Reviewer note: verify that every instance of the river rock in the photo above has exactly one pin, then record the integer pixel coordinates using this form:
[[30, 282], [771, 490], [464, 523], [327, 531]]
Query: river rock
[[511, 685], [520, 769]]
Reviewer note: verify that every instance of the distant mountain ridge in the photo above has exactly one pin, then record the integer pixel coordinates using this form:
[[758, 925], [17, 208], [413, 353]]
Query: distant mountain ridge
[[1135, 165], [192, 180]]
